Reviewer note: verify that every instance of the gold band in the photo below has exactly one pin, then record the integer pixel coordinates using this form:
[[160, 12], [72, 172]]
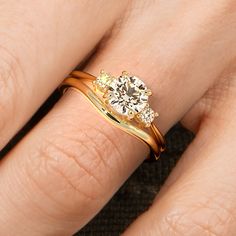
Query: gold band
[[150, 136]]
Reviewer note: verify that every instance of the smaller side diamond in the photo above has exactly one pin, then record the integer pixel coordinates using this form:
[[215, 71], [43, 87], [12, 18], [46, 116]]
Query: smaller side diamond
[[146, 116], [102, 81]]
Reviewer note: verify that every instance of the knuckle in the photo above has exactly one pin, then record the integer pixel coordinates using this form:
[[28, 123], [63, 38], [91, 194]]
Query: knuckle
[[76, 163], [10, 70], [173, 223], [70, 168], [207, 218]]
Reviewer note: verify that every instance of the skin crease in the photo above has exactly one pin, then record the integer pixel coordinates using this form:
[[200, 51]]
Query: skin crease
[[59, 176], [26, 40]]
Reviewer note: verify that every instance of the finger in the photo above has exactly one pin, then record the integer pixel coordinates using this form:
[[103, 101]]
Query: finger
[[39, 48], [169, 51], [74, 164], [199, 198]]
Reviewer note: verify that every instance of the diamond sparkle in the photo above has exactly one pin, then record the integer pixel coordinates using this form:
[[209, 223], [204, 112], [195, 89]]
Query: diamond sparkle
[[127, 95], [102, 81], [146, 116]]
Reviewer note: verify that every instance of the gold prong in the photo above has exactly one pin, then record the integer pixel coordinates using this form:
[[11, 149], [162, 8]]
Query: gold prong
[[102, 71], [148, 92], [125, 73], [156, 114], [131, 115], [105, 95], [94, 85]]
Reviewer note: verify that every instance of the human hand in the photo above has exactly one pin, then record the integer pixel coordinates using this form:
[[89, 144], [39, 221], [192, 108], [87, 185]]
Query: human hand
[[64, 171]]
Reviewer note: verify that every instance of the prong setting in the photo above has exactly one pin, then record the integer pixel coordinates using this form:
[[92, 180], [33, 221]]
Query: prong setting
[[125, 73], [102, 81], [148, 92], [131, 114], [146, 117], [127, 96]]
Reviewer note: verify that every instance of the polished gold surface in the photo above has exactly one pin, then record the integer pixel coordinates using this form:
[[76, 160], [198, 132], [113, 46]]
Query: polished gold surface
[[151, 136]]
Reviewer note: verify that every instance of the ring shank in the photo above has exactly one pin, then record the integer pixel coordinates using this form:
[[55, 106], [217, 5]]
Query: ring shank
[[154, 139]]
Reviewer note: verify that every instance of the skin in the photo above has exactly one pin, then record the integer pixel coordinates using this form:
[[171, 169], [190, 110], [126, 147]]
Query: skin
[[64, 170]]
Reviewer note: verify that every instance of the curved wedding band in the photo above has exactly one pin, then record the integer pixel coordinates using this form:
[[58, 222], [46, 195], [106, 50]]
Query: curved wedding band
[[135, 117]]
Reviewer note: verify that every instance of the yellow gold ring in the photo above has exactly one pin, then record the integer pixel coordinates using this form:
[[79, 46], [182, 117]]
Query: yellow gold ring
[[123, 101]]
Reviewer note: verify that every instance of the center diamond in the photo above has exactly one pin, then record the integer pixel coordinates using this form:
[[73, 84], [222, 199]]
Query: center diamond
[[127, 94]]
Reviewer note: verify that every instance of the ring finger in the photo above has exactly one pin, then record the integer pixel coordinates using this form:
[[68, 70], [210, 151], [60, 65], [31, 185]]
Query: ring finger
[[74, 173]]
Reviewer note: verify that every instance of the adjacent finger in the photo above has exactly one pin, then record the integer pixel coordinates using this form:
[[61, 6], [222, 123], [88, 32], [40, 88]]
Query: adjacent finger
[[40, 42], [73, 159], [199, 198]]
